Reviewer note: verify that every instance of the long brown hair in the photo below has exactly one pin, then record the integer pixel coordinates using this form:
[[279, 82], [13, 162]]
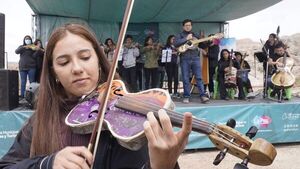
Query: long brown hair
[[52, 96]]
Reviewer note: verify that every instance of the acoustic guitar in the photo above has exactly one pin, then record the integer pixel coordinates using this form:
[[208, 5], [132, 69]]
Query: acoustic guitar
[[194, 42]]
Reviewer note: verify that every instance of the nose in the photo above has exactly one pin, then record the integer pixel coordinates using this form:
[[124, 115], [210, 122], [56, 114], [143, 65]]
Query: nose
[[77, 67]]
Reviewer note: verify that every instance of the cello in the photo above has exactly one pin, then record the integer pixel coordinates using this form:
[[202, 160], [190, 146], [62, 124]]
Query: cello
[[284, 78]]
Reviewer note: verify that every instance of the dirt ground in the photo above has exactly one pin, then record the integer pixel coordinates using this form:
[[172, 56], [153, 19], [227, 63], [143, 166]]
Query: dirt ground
[[287, 158]]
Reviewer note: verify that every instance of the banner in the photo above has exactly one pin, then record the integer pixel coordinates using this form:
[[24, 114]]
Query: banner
[[277, 122]]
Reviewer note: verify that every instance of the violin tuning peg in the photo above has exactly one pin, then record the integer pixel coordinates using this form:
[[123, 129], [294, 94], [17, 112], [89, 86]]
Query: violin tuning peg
[[219, 157], [231, 123], [240, 166], [251, 132]]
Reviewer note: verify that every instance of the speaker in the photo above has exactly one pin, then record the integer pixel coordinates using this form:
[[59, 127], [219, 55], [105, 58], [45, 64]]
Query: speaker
[[9, 89], [2, 39]]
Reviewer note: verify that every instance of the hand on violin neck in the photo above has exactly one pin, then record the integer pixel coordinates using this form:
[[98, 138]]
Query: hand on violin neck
[[165, 146]]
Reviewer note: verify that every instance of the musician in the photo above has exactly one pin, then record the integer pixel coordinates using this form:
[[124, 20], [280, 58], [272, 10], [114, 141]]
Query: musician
[[172, 66], [269, 46], [213, 54], [27, 63], [279, 51], [129, 54], [223, 68], [190, 61], [74, 66], [109, 48], [39, 56], [242, 76], [151, 52]]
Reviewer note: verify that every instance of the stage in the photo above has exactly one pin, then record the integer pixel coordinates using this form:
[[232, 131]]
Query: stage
[[277, 122]]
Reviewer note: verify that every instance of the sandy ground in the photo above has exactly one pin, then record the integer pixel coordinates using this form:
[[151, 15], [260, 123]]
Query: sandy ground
[[287, 158]]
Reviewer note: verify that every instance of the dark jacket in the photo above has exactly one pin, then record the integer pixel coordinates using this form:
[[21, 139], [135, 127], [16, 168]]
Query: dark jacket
[[180, 39], [213, 54], [110, 154], [222, 64], [27, 60]]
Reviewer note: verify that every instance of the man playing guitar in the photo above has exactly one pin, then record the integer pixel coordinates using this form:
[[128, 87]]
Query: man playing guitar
[[190, 60]]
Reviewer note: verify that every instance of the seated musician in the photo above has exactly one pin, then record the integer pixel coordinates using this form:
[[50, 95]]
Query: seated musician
[[223, 68], [242, 76], [279, 51]]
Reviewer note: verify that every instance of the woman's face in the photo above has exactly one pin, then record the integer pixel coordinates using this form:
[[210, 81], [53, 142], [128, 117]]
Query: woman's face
[[75, 64], [109, 42], [225, 55], [150, 41], [172, 40]]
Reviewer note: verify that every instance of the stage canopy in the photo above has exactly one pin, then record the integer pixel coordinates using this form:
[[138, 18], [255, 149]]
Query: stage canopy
[[110, 12]]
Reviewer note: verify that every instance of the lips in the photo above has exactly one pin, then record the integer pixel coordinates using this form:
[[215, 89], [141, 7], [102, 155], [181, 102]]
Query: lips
[[80, 81]]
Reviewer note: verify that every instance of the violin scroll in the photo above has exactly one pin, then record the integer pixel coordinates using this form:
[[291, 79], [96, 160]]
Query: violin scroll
[[258, 152]]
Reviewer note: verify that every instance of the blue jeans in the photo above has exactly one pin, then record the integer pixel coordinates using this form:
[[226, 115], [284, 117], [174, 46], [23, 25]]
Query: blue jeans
[[188, 63], [23, 75]]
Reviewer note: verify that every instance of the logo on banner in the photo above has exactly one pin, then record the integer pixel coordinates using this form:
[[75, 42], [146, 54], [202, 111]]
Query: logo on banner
[[262, 121]]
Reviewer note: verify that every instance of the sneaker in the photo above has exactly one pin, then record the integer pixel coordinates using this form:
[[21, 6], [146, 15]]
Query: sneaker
[[186, 100], [250, 95], [236, 95], [204, 99]]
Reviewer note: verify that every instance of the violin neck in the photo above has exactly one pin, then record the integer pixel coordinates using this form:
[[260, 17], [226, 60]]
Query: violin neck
[[143, 108]]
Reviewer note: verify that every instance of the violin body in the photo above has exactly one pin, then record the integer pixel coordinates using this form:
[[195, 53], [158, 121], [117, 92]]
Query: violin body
[[284, 77], [126, 113], [124, 125]]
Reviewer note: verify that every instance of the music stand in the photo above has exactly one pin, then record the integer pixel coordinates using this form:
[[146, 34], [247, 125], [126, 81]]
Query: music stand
[[262, 57]]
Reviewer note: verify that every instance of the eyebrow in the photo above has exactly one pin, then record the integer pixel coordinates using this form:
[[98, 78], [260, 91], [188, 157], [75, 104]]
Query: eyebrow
[[67, 55]]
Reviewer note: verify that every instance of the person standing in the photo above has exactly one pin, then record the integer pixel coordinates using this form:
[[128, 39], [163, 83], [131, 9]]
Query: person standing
[[27, 63], [39, 55], [172, 66], [151, 53], [190, 61], [213, 54], [129, 54], [109, 49]]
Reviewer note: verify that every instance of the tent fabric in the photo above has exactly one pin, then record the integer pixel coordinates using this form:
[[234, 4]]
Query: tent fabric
[[105, 30], [151, 10], [105, 16]]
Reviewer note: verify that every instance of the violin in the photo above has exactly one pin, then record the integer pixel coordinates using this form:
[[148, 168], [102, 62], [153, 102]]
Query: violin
[[126, 113]]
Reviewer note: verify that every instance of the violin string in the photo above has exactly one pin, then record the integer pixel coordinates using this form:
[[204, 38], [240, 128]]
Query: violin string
[[137, 105], [175, 115]]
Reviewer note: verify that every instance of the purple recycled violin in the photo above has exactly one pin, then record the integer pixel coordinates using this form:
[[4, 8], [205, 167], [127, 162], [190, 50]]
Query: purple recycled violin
[[126, 126], [126, 113]]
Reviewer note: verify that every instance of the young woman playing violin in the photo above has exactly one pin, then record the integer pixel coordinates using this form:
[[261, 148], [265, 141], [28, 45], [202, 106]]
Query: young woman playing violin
[[74, 65]]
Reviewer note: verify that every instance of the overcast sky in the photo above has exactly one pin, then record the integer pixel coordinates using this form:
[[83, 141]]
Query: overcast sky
[[256, 26]]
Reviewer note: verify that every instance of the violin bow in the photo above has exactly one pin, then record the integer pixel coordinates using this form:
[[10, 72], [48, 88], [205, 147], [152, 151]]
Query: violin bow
[[101, 111]]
